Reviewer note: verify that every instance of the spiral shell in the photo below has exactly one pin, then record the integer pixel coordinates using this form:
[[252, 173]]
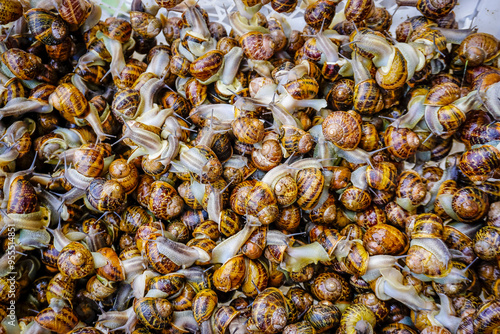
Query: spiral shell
[[343, 129]]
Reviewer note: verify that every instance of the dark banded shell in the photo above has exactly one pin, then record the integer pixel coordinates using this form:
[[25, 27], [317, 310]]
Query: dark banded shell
[[60, 321], [223, 317], [125, 104], [358, 10], [355, 199], [340, 96], [343, 129], [46, 27], [155, 313], [75, 261], [170, 284], [480, 163], [157, 260], [257, 46], [303, 88], [427, 225], [331, 287], [284, 6], [130, 73], [176, 102], [164, 201], [196, 92], [113, 270], [262, 203], [205, 67], [396, 76], [383, 239], [411, 186], [310, 182], [105, 195], [118, 29], [401, 142], [470, 204], [434, 10], [23, 198], [318, 12], [367, 97], [23, 65], [269, 311], [204, 304], [382, 176]]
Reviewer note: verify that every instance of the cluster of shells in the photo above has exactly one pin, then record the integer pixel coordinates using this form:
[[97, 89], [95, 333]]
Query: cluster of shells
[[257, 180]]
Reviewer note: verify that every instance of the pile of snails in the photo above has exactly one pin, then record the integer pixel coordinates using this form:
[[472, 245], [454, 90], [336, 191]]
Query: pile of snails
[[164, 174]]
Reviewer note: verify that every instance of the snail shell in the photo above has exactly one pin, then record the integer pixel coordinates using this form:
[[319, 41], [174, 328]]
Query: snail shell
[[343, 129]]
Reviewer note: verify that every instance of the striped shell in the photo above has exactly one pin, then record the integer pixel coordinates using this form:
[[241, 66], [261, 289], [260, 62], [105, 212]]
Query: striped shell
[[343, 129], [204, 304]]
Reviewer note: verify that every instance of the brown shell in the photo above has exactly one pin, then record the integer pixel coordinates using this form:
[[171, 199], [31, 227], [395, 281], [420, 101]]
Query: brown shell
[[370, 300], [23, 198], [157, 260], [480, 163], [478, 48], [284, 6], [411, 186], [433, 9], [113, 270], [183, 302], [230, 275], [367, 97], [257, 46], [396, 76], [256, 278], [426, 225], [340, 96], [60, 321], [74, 12], [10, 11], [69, 101], [154, 313], [358, 10], [269, 311], [204, 304], [401, 142], [75, 261], [176, 102], [302, 88], [105, 195], [343, 129], [323, 316], [331, 287], [60, 286], [248, 130], [196, 92], [310, 182], [326, 213], [164, 202], [261, 202], [383, 239], [207, 65], [470, 204], [442, 94], [355, 199], [223, 317], [171, 284], [255, 244], [382, 176], [320, 11], [23, 65], [46, 27]]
